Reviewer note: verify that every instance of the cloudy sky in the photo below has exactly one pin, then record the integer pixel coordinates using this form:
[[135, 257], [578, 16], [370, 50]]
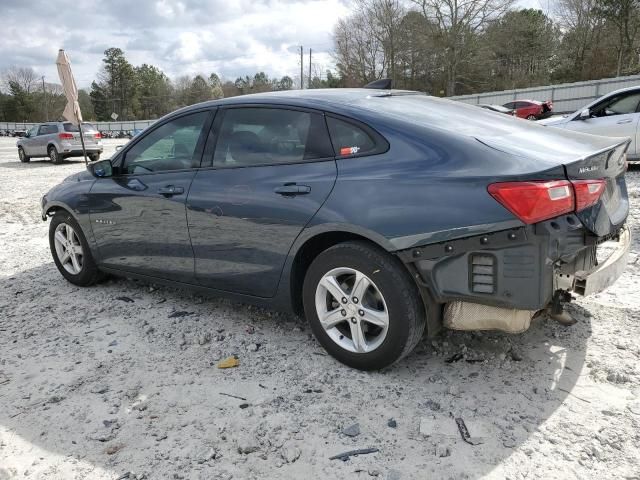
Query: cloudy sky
[[231, 38]]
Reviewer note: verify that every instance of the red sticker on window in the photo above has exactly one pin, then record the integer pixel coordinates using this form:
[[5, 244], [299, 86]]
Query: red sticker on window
[[349, 150]]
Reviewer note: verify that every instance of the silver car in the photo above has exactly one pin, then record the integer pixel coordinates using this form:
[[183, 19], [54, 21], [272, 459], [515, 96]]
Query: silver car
[[616, 114], [59, 140]]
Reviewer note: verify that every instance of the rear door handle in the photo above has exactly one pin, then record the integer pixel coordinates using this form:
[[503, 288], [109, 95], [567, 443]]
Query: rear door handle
[[624, 121], [170, 190], [291, 189]]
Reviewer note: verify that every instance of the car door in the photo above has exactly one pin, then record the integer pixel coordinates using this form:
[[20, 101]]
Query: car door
[[29, 141], [40, 140], [615, 116], [268, 171], [138, 215]]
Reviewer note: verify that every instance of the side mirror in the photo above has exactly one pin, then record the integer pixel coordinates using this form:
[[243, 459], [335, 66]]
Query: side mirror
[[584, 114], [101, 169]]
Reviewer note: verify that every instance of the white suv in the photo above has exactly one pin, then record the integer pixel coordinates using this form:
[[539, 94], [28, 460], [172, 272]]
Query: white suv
[[59, 140]]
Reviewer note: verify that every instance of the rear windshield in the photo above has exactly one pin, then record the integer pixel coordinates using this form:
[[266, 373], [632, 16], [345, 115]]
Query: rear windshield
[[86, 127]]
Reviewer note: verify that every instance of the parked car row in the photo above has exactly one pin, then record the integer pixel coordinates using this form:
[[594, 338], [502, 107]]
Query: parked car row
[[12, 133]]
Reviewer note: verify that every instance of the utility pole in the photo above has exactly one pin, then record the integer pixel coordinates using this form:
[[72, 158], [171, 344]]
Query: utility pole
[[309, 68], [301, 68], [44, 100]]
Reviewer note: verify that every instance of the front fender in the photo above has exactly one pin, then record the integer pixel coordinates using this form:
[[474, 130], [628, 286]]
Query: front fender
[[73, 197]]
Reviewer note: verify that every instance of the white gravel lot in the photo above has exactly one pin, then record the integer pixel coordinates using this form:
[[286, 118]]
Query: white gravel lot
[[96, 387]]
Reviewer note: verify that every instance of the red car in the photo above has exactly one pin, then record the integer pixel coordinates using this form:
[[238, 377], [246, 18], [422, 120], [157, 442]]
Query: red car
[[531, 109]]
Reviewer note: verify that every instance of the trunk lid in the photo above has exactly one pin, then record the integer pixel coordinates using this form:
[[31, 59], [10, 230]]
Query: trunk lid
[[610, 212]]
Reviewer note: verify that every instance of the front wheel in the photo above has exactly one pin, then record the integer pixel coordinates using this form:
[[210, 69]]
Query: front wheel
[[362, 305], [531, 117], [94, 157], [23, 156], [71, 252]]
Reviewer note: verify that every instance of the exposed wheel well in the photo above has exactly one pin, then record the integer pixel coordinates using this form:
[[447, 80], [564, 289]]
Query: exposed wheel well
[[306, 254]]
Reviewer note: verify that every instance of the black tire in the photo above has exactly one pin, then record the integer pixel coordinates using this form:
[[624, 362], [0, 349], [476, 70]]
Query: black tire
[[531, 117], [55, 157], [94, 157], [89, 273], [405, 308], [23, 156]]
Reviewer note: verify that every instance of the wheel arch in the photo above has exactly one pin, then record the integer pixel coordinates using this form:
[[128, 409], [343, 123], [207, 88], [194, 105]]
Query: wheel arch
[[317, 240]]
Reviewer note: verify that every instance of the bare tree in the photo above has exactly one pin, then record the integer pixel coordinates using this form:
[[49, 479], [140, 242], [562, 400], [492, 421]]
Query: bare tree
[[455, 23], [359, 53], [25, 77], [385, 17]]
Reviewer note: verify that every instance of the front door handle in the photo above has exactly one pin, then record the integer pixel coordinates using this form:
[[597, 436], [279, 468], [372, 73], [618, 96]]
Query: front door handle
[[170, 190], [628, 120], [292, 189]]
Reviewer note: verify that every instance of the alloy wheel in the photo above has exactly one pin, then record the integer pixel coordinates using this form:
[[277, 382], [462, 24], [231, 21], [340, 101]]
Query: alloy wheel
[[68, 248], [352, 310]]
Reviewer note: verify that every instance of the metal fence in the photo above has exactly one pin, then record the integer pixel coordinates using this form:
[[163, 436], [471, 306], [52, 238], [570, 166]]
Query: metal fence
[[566, 97], [101, 126]]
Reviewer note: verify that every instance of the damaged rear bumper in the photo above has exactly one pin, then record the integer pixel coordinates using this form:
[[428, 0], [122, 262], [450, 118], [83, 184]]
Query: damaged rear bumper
[[607, 272], [491, 278]]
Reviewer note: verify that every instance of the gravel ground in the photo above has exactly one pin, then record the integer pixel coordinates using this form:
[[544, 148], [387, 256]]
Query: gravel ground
[[121, 381]]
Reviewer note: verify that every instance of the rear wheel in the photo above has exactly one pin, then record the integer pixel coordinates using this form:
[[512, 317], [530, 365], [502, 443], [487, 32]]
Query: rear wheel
[[54, 155], [531, 117], [363, 306], [23, 156], [71, 252], [94, 157]]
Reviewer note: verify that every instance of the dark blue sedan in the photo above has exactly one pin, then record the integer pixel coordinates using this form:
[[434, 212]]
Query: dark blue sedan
[[378, 214]]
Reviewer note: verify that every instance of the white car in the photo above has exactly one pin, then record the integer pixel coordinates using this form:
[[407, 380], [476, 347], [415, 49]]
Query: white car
[[616, 114]]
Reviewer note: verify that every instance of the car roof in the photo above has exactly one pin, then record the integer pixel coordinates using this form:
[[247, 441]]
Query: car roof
[[306, 98]]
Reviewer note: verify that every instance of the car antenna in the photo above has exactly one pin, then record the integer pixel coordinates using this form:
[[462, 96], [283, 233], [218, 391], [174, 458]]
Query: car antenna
[[382, 84]]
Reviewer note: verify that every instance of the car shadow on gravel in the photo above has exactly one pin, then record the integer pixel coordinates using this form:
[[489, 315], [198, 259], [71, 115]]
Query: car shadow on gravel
[[122, 376], [38, 164]]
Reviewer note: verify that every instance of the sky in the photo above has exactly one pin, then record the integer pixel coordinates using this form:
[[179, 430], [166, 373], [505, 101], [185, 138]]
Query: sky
[[232, 38]]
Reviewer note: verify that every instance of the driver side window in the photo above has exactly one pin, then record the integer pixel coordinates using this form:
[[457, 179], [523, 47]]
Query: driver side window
[[619, 105], [172, 146]]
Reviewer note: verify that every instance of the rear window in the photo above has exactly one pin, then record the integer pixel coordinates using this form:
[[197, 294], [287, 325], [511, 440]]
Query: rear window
[[86, 127]]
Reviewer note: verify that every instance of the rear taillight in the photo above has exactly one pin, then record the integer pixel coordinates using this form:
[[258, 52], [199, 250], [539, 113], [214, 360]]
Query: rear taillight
[[588, 192], [533, 202], [65, 136], [97, 136]]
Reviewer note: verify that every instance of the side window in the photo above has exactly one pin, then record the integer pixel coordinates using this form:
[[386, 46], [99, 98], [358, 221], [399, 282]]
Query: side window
[[618, 105], [522, 105], [171, 146], [349, 139], [33, 131], [263, 136]]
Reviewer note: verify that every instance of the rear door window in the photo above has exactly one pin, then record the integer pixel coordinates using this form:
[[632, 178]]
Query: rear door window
[[349, 139], [252, 136]]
